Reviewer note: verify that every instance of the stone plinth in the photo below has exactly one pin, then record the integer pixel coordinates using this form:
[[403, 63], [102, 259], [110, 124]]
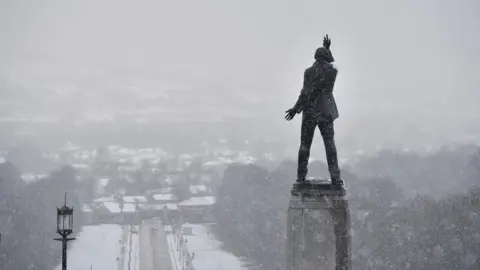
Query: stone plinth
[[318, 227], [316, 188]]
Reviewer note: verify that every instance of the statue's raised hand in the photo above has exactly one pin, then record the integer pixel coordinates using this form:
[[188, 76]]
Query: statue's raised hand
[[327, 42]]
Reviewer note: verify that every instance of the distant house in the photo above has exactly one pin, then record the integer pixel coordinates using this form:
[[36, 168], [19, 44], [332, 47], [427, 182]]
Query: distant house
[[160, 191], [110, 198], [157, 210], [198, 202], [160, 203], [129, 212], [199, 190], [164, 198], [114, 212], [129, 208], [197, 209], [108, 212], [134, 199], [159, 207]]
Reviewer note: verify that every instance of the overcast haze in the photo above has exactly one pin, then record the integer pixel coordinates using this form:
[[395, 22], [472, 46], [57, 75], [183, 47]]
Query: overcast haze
[[402, 63]]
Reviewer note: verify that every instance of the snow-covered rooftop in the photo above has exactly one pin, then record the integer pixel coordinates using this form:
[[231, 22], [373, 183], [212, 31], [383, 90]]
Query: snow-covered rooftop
[[162, 190], [134, 199], [113, 207], [105, 199], [160, 206], [197, 188], [87, 208], [129, 208], [164, 197], [218, 162], [151, 206], [171, 206], [198, 201]]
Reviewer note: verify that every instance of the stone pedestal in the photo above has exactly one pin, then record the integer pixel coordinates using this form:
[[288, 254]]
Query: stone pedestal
[[318, 227]]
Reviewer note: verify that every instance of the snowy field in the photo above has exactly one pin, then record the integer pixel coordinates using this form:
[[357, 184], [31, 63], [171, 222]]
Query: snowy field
[[208, 251], [100, 247], [113, 247]]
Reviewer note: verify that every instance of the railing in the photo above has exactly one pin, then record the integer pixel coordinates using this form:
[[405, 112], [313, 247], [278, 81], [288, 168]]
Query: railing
[[186, 257]]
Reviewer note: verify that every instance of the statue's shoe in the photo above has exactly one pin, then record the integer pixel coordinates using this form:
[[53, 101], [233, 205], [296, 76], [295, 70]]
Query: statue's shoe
[[338, 184], [301, 179]]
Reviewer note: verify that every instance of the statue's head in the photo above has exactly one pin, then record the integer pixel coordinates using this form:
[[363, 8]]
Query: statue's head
[[323, 53]]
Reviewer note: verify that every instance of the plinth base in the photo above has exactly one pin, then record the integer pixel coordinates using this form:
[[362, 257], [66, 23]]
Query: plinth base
[[317, 187]]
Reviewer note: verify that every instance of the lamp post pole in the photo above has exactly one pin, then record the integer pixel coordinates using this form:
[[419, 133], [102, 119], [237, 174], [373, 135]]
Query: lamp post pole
[[64, 229]]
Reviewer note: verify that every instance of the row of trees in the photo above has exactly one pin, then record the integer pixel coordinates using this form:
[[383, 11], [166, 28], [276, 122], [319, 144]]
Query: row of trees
[[393, 228], [28, 217]]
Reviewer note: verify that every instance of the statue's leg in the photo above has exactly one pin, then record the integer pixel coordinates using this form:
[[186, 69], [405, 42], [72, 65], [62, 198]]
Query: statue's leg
[[306, 138], [326, 128]]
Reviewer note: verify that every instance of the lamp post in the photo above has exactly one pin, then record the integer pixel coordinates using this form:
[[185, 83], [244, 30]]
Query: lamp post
[[64, 229]]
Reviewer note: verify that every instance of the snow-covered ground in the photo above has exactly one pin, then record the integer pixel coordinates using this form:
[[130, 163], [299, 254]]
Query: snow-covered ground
[[96, 247], [198, 201], [208, 251], [100, 247]]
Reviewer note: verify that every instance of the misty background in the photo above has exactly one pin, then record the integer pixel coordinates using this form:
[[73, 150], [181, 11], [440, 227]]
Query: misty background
[[407, 68]]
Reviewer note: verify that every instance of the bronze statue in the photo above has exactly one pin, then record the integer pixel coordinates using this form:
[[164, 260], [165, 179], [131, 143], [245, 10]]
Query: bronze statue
[[318, 105]]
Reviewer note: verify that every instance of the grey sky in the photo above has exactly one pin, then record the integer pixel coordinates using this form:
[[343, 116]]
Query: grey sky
[[408, 60]]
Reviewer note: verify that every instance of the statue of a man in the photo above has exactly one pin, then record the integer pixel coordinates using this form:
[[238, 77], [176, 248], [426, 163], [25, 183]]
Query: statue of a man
[[319, 109]]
